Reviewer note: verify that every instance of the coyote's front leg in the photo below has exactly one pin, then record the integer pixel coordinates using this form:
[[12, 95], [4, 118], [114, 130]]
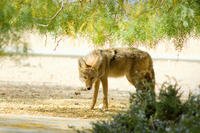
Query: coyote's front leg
[[104, 81], [96, 89]]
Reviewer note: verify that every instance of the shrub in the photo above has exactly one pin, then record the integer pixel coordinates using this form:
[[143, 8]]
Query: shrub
[[169, 106], [145, 114]]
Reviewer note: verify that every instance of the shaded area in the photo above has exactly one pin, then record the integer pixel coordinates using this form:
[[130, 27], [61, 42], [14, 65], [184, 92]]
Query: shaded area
[[57, 101]]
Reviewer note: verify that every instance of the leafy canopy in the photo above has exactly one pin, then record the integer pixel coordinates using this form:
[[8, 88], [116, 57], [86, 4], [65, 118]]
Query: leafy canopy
[[131, 21]]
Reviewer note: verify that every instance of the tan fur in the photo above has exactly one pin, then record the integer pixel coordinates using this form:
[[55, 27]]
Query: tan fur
[[98, 65]]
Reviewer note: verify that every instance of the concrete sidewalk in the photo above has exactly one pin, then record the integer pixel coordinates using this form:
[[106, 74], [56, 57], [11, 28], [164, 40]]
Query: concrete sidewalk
[[11, 123]]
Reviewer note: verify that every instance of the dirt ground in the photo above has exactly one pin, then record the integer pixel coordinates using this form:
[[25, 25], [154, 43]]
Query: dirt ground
[[57, 101], [50, 87], [35, 87]]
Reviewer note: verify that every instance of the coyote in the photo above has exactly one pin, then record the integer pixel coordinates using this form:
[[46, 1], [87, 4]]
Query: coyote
[[100, 64]]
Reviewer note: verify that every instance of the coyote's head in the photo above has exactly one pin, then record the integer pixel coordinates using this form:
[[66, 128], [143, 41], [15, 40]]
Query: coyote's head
[[88, 72]]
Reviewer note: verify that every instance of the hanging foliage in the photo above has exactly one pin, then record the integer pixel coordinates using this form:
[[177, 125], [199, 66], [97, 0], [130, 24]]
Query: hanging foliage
[[102, 21]]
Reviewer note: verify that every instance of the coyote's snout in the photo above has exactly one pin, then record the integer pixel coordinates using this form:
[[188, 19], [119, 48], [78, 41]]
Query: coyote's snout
[[97, 66]]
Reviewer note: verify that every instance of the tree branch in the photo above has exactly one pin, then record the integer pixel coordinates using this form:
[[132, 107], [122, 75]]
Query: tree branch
[[54, 16], [58, 42]]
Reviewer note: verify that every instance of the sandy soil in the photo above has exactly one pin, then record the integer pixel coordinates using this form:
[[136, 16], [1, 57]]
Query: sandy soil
[[56, 101], [63, 71], [56, 109], [50, 86]]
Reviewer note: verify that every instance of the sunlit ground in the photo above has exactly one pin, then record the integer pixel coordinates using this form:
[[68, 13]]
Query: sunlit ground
[[50, 85]]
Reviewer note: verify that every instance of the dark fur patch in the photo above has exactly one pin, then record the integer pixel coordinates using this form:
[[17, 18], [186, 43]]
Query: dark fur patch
[[114, 56]]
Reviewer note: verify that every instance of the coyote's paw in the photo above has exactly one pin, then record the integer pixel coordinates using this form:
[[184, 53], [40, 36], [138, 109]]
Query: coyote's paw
[[92, 108], [105, 109]]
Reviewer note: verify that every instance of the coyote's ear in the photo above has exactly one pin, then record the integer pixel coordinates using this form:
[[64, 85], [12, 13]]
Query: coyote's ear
[[81, 62]]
